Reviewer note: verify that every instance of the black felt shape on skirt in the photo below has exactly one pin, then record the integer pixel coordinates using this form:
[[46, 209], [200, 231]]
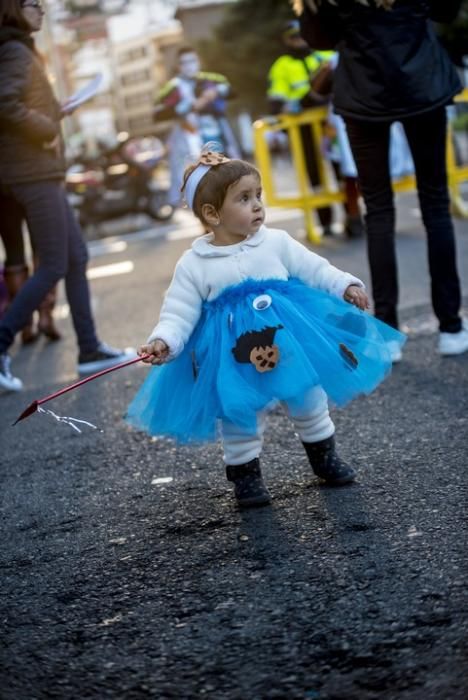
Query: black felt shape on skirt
[[253, 339]]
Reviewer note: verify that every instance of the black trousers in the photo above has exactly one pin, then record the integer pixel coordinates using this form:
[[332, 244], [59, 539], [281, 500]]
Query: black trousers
[[426, 136], [11, 232], [62, 254]]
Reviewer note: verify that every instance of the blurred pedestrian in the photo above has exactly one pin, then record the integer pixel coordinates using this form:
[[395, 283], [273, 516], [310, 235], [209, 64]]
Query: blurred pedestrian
[[17, 272], [299, 79], [32, 170], [253, 317], [196, 101], [392, 67], [3, 293]]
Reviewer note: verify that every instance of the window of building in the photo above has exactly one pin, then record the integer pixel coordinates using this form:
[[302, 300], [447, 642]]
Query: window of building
[[137, 76], [133, 54], [140, 98], [142, 122]]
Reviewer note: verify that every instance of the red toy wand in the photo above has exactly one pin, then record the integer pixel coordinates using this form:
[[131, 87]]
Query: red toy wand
[[32, 408]]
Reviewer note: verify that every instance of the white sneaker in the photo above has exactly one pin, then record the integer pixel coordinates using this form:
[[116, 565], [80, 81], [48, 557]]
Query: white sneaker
[[7, 381], [394, 350], [454, 343]]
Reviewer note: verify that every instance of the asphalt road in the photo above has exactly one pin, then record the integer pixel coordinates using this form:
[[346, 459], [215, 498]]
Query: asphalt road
[[127, 571]]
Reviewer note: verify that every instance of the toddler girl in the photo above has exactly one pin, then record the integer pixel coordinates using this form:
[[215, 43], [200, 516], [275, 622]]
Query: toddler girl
[[252, 317]]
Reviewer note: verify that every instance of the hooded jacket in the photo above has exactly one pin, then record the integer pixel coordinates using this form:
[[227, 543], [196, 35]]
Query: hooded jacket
[[29, 113], [391, 65]]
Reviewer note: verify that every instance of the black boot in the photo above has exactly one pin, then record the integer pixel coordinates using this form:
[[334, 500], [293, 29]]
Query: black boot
[[249, 488], [327, 464]]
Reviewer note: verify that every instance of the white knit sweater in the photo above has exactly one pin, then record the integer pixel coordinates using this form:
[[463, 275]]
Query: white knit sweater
[[206, 269]]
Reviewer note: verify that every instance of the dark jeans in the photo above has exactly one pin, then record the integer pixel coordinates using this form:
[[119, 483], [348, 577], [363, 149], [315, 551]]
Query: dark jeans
[[426, 136], [61, 252]]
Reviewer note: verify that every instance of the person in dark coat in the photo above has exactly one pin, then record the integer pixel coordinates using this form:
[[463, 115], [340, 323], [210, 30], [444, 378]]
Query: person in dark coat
[[32, 170], [392, 67]]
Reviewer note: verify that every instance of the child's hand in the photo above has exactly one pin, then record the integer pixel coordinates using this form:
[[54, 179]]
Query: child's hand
[[157, 349], [357, 296]]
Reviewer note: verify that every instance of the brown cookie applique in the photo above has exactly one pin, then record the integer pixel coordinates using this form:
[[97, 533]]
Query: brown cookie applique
[[258, 349]]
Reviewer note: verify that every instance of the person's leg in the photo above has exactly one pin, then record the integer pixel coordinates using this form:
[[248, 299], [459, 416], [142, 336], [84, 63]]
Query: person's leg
[[61, 251], [184, 147], [324, 214], [315, 428], [370, 146], [426, 136], [353, 225], [310, 416], [45, 216], [241, 457], [93, 354], [76, 283], [176, 168], [16, 268], [11, 232], [46, 323]]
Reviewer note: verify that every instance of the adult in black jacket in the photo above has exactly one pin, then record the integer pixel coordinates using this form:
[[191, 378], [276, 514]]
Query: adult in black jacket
[[391, 68], [32, 170]]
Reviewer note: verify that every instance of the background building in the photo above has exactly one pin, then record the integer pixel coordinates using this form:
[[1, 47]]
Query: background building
[[199, 17], [140, 67]]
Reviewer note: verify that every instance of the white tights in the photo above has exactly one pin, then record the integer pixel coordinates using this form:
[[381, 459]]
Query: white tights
[[310, 418]]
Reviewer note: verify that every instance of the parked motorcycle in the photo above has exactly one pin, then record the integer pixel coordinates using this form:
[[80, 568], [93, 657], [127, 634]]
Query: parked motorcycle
[[124, 179]]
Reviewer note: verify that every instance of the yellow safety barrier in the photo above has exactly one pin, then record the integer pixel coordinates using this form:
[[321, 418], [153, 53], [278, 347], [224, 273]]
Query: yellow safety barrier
[[327, 192], [457, 173]]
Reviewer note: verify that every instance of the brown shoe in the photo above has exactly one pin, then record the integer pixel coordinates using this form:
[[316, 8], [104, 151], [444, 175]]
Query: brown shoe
[[46, 322], [15, 276]]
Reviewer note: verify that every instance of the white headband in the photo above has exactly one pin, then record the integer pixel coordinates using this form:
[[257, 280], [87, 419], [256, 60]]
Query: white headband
[[193, 181]]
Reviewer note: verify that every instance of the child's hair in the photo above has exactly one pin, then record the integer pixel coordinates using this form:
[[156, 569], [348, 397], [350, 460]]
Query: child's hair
[[214, 185]]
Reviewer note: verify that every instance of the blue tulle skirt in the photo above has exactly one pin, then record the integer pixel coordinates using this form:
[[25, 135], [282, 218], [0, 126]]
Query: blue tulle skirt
[[258, 343]]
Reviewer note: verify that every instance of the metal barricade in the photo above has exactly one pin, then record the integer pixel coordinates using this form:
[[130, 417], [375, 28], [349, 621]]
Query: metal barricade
[[457, 173], [328, 192]]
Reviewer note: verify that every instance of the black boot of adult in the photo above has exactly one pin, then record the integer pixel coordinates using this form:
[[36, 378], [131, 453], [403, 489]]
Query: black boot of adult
[[327, 464], [249, 488], [325, 216]]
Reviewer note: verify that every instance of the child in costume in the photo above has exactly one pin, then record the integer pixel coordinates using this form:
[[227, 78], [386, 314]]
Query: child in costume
[[252, 318]]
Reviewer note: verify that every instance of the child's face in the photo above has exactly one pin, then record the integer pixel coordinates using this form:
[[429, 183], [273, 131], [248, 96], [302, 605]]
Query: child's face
[[242, 212]]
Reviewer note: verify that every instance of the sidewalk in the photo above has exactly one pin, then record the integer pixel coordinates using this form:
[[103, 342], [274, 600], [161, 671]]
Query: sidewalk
[[128, 573]]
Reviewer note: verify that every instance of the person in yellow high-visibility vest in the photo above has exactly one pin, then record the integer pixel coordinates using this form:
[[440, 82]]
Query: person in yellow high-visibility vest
[[291, 82]]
